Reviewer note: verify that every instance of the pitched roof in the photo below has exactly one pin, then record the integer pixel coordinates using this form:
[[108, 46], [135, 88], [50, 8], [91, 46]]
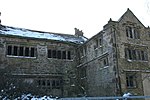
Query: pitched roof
[[129, 11], [21, 32]]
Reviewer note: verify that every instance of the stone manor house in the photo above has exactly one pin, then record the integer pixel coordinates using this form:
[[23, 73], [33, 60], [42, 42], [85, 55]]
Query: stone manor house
[[114, 61]]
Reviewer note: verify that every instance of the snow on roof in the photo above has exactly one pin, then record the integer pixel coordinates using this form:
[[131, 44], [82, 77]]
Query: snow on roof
[[12, 31]]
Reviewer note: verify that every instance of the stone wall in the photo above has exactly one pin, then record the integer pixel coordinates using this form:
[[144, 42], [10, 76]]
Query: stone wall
[[28, 71]]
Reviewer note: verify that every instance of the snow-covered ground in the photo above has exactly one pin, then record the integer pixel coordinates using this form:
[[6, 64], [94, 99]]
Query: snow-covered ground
[[29, 97]]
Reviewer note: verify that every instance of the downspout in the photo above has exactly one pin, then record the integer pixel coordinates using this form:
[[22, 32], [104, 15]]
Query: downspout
[[117, 65]]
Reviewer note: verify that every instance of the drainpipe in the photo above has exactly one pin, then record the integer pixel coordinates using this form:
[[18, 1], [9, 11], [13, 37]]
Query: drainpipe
[[117, 68]]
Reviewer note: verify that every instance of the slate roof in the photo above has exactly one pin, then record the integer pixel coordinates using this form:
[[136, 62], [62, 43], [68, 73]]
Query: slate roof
[[21, 32]]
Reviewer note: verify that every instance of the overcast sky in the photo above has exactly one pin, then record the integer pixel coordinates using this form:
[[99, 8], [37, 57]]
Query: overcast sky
[[62, 16]]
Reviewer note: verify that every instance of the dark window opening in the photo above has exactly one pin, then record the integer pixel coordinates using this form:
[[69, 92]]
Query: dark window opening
[[131, 81], [20, 51], [105, 62], [54, 53], [32, 52], [43, 82], [48, 82], [100, 41], [39, 82], [142, 55], [64, 55], [130, 54], [134, 54], [49, 54], [59, 54], [9, 50], [15, 50], [53, 83], [26, 51], [132, 32], [69, 55]]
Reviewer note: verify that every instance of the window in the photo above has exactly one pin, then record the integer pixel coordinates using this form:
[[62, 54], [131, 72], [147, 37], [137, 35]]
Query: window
[[20, 51], [32, 52], [69, 55], [131, 80], [54, 53], [105, 62], [9, 50], [50, 83], [100, 41], [58, 54], [134, 54], [49, 54], [15, 50], [64, 55], [132, 32], [83, 72], [27, 51]]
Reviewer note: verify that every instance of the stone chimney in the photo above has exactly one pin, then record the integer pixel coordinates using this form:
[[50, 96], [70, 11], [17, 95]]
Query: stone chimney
[[78, 32]]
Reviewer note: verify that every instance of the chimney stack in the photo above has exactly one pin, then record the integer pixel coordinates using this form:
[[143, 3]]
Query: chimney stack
[[78, 32]]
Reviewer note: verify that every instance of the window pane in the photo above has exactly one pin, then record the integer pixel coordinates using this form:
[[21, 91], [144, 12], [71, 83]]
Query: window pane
[[59, 54], [142, 54], [20, 51], [49, 54], [54, 53], [130, 54], [9, 50], [64, 55], [48, 82], [32, 52], [134, 54], [127, 31], [26, 51], [43, 83], [69, 55], [15, 50]]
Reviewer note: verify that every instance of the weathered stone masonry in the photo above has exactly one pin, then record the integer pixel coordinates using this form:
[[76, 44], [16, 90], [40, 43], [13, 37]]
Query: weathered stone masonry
[[112, 62]]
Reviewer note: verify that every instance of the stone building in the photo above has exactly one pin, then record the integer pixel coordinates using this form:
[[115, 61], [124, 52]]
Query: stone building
[[112, 62], [116, 60], [38, 62]]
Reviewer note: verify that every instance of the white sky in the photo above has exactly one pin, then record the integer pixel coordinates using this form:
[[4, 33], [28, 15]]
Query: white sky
[[62, 16]]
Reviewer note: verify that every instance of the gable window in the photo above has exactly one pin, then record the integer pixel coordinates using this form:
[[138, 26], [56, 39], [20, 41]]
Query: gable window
[[131, 80], [132, 32], [20, 51]]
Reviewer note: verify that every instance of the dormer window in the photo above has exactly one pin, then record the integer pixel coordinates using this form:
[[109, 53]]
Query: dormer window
[[132, 32]]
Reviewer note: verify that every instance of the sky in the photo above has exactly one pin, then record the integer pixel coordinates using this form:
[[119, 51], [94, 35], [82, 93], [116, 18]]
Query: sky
[[62, 16]]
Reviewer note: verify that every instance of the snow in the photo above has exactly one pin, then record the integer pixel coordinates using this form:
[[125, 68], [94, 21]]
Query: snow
[[6, 30], [30, 97], [127, 94]]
